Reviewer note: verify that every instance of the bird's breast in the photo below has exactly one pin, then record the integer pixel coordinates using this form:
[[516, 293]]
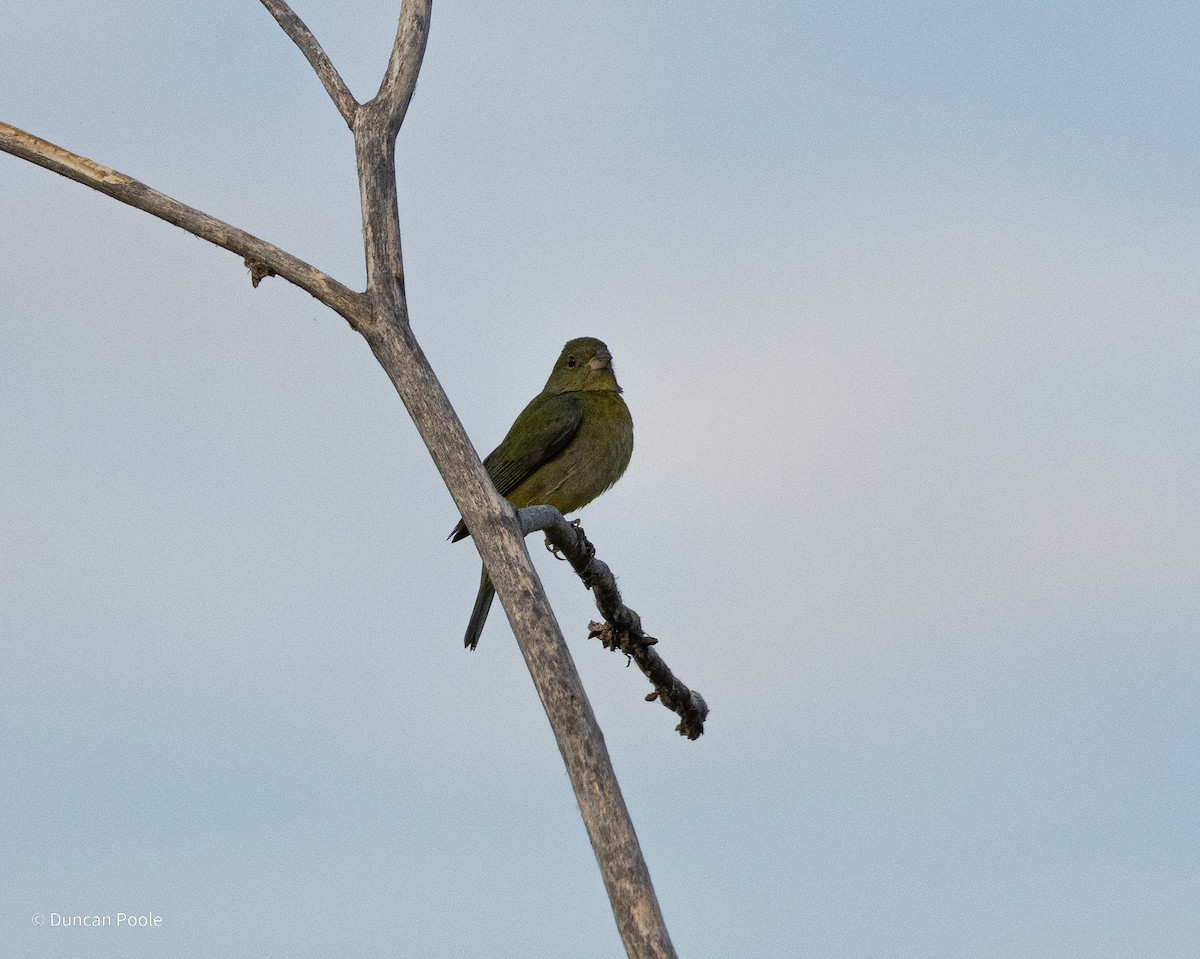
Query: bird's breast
[[593, 461]]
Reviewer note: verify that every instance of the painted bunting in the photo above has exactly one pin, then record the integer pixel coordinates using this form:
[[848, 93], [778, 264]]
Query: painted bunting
[[570, 444]]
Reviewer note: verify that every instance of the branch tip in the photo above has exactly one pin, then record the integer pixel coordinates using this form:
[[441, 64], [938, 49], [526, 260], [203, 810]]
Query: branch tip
[[621, 629]]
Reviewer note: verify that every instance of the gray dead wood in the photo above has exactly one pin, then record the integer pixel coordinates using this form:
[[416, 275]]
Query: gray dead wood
[[380, 314], [622, 627]]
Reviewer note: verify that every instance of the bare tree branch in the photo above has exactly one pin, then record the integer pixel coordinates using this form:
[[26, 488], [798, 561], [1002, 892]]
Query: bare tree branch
[[381, 316], [336, 87], [491, 518], [622, 627], [498, 538], [261, 257], [408, 51]]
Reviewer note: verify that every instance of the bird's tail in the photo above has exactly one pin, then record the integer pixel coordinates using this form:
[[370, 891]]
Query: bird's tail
[[483, 603]]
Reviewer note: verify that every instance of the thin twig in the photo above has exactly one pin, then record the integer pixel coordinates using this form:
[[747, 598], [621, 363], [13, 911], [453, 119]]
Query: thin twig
[[622, 627], [335, 86], [408, 50], [262, 258]]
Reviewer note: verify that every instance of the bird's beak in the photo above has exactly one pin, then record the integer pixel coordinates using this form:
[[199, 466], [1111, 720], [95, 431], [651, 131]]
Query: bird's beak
[[602, 360]]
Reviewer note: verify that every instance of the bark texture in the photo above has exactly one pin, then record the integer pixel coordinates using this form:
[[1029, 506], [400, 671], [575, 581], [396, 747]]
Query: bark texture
[[622, 627]]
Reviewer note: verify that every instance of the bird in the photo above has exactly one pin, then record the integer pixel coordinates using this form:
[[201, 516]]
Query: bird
[[570, 444]]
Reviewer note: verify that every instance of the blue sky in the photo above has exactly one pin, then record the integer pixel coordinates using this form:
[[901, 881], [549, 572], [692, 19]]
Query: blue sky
[[904, 301]]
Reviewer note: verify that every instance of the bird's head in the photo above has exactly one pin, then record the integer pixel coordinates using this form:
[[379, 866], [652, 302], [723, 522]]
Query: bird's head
[[584, 364]]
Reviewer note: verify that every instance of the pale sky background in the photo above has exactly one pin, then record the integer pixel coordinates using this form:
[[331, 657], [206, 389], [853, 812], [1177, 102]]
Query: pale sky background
[[905, 301]]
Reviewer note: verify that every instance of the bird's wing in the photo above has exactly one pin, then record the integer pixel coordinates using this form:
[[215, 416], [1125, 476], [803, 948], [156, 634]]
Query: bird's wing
[[540, 433]]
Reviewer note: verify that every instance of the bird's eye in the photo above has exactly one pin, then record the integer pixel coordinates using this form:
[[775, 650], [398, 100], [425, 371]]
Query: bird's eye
[[571, 361]]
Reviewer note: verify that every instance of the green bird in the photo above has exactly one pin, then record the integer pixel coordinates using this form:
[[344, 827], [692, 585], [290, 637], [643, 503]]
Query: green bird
[[570, 444]]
